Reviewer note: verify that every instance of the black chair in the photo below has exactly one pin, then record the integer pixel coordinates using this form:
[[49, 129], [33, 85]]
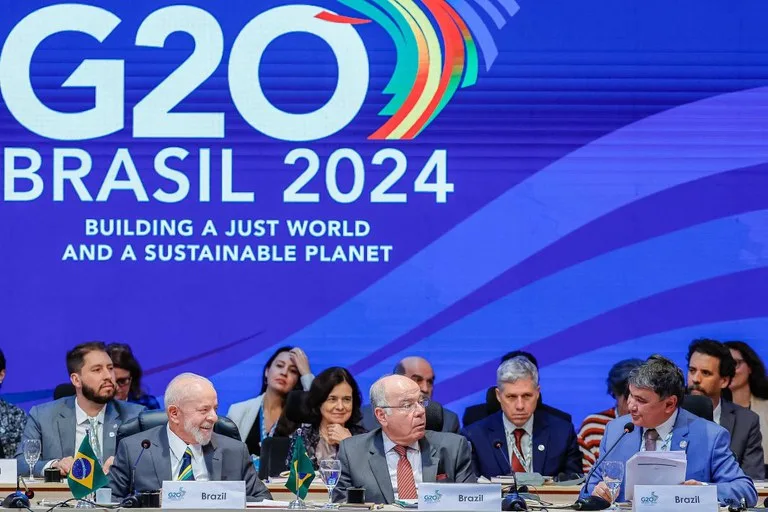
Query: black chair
[[62, 390], [150, 419], [296, 410], [434, 414], [699, 405], [274, 455]]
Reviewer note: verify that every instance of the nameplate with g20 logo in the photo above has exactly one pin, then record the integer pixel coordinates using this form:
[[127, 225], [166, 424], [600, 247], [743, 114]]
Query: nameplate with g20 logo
[[8, 471], [196, 494], [675, 498], [453, 497]]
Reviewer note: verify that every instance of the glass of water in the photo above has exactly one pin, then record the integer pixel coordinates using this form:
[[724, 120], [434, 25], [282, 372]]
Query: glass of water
[[330, 470], [613, 475], [31, 454]]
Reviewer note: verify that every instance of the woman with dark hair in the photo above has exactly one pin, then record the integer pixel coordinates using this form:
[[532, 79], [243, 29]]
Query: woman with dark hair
[[285, 370], [12, 421], [128, 375], [333, 413], [750, 385]]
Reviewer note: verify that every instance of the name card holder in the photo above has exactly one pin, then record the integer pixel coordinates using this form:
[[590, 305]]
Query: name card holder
[[195, 494], [8, 471], [675, 498], [459, 497]]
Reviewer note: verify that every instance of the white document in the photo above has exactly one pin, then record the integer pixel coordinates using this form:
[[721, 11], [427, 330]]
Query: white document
[[267, 504], [8, 471], [654, 468]]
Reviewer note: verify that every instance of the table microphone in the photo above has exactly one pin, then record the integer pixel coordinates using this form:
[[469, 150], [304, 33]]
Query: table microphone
[[132, 500], [18, 499], [513, 500], [596, 502]]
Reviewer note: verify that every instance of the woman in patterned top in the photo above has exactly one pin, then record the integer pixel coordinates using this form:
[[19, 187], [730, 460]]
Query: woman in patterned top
[[333, 406], [128, 375], [12, 420]]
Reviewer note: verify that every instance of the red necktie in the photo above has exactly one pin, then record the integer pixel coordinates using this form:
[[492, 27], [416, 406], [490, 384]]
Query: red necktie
[[406, 485], [517, 464]]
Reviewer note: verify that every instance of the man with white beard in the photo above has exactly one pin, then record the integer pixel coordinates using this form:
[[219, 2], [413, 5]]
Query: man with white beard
[[186, 448]]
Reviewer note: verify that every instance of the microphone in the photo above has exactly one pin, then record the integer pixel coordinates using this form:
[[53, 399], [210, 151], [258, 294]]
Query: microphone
[[596, 502], [18, 499], [513, 500], [132, 500]]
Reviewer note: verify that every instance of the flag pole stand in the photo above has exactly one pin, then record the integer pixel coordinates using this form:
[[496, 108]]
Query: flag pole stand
[[87, 504], [297, 504]]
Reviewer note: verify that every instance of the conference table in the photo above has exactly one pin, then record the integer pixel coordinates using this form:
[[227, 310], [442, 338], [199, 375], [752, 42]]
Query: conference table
[[47, 494]]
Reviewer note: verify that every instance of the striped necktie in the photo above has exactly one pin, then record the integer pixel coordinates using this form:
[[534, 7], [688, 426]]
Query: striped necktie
[[185, 470]]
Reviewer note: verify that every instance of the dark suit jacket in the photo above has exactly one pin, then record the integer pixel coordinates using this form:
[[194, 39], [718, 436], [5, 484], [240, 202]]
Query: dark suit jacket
[[225, 458], [54, 424], [746, 441], [364, 463], [553, 433], [450, 420]]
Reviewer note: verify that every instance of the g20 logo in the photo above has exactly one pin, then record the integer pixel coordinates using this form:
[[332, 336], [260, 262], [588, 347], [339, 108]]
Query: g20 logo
[[176, 495]]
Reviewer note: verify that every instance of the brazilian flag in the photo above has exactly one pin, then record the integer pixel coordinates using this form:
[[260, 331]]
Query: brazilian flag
[[86, 475], [302, 471]]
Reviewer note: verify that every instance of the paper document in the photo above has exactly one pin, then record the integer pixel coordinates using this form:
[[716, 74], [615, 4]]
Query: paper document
[[654, 468], [267, 504]]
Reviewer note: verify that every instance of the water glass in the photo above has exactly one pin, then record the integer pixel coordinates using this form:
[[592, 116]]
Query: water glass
[[330, 470], [613, 475], [31, 450]]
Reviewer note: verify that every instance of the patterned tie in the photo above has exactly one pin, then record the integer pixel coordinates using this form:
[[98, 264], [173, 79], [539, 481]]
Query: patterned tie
[[517, 464], [651, 436], [93, 437], [185, 470], [406, 485]]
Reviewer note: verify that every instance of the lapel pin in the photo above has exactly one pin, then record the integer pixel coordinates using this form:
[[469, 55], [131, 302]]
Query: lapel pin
[[111, 434], [541, 447], [683, 444]]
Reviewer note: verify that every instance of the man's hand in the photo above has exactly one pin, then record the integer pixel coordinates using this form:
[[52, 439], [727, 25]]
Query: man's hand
[[337, 433], [603, 491], [300, 359], [108, 464], [64, 465], [692, 482]]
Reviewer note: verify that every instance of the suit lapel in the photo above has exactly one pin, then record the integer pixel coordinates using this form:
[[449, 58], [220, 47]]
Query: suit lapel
[[680, 432], [727, 416], [378, 463], [540, 438], [109, 430], [430, 460], [66, 423], [496, 433], [213, 462], [161, 456]]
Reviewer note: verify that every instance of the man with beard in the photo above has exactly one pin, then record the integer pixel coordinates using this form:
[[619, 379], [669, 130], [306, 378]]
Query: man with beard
[[186, 448], [62, 425]]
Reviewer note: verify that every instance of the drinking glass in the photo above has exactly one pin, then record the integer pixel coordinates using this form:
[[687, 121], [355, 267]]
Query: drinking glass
[[31, 454], [613, 475], [330, 470]]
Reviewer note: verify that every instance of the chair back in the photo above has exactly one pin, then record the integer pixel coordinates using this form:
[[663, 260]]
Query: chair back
[[150, 419], [274, 455]]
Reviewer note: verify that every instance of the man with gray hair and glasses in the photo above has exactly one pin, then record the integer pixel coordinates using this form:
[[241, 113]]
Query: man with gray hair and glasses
[[391, 461], [656, 391], [520, 437]]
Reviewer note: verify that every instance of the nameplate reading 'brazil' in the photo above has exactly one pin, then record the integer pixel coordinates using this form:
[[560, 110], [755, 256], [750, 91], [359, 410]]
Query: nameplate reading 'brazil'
[[195, 494], [673, 498], [459, 496]]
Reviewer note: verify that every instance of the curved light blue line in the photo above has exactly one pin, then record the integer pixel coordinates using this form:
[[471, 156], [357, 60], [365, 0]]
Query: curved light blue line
[[479, 31], [493, 12], [632, 162], [588, 289], [510, 6]]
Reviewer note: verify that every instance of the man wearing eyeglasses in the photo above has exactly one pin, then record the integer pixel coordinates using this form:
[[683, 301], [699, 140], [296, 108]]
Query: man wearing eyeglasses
[[390, 461], [521, 437]]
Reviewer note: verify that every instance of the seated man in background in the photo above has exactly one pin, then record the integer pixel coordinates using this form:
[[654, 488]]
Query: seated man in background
[[62, 424], [711, 368], [390, 461], [593, 427], [520, 437], [186, 448], [420, 371], [656, 389]]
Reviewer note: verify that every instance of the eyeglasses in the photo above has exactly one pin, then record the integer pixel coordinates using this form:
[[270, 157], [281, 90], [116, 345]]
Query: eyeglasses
[[123, 382], [408, 407]]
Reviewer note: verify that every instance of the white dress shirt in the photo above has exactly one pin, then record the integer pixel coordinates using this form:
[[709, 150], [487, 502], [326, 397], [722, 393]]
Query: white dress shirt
[[526, 442], [414, 457], [717, 412], [83, 425], [665, 434], [178, 447]]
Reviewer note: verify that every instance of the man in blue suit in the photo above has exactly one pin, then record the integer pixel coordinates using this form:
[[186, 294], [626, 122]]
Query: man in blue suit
[[521, 437], [655, 390]]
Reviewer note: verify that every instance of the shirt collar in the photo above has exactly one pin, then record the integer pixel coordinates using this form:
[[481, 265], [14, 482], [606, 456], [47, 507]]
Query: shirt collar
[[510, 427], [178, 446], [717, 412], [389, 445], [666, 428], [82, 417]]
